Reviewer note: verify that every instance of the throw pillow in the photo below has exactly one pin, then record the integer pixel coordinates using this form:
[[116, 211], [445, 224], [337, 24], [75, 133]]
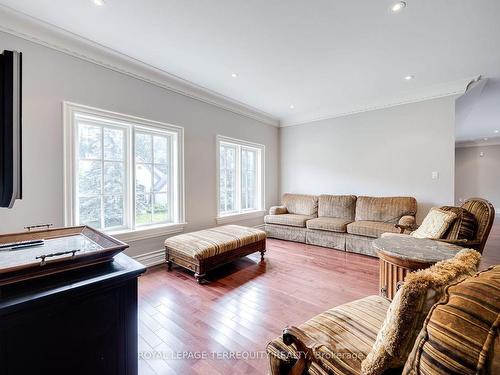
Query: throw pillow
[[460, 334], [411, 304], [464, 227], [435, 224]]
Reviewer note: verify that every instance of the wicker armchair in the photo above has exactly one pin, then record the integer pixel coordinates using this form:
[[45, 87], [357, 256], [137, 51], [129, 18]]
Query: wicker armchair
[[483, 211]]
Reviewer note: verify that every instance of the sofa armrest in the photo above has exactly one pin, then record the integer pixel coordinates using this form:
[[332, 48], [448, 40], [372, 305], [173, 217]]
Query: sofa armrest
[[278, 210], [406, 223]]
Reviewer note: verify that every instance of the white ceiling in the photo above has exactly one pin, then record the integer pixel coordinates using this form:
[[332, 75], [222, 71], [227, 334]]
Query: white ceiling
[[325, 57], [477, 114]]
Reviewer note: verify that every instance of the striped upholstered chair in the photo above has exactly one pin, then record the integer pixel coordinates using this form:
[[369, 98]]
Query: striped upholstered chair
[[483, 214], [461, 332], [372, 335]]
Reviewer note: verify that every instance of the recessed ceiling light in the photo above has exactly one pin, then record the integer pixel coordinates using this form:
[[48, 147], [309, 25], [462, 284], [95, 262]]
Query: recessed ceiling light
[[409, 77], [496, 131], [292, 106], [399, 6], [99, 3], [234, 75], [485, 138]]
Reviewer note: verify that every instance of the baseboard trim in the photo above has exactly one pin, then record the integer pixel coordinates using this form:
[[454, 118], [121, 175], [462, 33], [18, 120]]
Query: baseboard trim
[[153, 258]]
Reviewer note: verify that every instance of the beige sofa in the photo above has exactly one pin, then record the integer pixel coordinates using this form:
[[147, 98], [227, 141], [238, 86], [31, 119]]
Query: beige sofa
[[343, 222]]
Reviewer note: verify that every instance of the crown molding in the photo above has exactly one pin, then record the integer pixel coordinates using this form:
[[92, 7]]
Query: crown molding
[[492, 141], [436, 92], [34, 30], [40, 32]]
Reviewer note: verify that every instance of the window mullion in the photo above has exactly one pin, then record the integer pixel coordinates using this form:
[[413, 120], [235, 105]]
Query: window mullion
[[102, 178], [171, 182], [151, 193], [258, 178], [131, 181], [238, 178], [76, 167]]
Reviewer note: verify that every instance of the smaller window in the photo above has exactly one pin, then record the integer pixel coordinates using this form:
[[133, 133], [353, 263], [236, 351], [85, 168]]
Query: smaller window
[[240, 184]]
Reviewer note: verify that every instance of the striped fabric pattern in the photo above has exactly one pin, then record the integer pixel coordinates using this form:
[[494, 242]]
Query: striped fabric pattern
[[385, 209], [284, 232], [371, 228], [331, 224], [344, 336], [409, 308], [360, 245], [461, 331], [209, 242], [479, 208], [292, 220], [464, 226], [301, 204], [338, 206]]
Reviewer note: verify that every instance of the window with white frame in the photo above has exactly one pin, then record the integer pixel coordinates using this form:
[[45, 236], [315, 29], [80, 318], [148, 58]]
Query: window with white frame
[[240, 176], [122, 173]]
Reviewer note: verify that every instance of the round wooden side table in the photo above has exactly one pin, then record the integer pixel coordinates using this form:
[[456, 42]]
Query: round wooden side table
[[401, 254]]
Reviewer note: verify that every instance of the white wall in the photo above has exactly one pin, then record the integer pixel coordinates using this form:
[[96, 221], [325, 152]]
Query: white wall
[[385, 152], [477, 176], [51, 77]]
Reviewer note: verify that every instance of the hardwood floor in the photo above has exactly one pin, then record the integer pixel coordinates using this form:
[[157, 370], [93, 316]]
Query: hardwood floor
[[224, 326], [491, 253]]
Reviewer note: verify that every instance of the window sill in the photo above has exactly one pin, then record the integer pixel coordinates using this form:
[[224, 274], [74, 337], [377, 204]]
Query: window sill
[[148, 232], [240, 216]]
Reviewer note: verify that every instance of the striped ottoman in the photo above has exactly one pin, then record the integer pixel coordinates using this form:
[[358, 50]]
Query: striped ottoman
[[207, 249]]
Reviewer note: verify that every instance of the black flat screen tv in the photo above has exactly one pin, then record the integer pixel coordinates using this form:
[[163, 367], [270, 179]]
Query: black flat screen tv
[[10, 128]]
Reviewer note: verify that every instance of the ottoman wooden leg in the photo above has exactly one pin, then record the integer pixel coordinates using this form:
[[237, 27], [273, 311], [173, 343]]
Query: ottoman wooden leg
[[167, 259], [262, 255], [199, 277]]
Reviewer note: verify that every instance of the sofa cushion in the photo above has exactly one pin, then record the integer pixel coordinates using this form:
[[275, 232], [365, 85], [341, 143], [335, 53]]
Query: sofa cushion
[[386, 209], [300, 204], [370, 228], [461, 333], [345, 335], [339, 206], [331, 224], [285, 232], [288, 219], [435, 224], [464, 227], [411, 304]]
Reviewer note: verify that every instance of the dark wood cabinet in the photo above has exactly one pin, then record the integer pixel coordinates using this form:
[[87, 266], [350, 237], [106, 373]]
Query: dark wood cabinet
[[80, 322]]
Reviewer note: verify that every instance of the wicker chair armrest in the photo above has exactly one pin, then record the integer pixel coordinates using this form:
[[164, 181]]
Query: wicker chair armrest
[[305, 349], [278, 210], [294, 335]]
